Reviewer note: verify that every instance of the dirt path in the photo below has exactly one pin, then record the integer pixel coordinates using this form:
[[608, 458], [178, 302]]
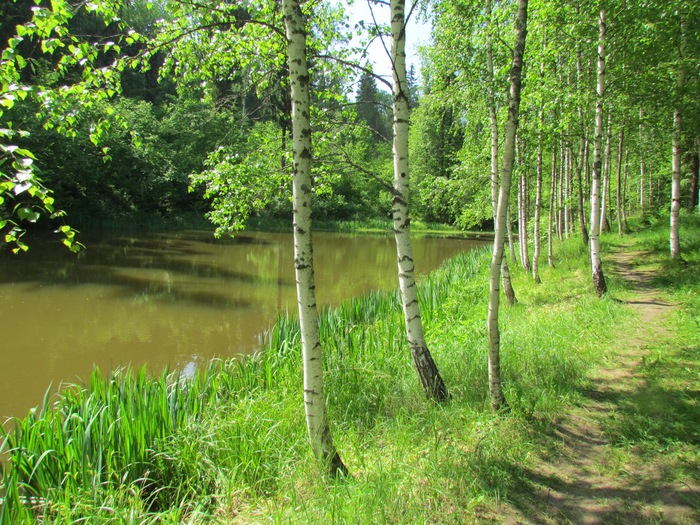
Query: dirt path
[[589, 481]]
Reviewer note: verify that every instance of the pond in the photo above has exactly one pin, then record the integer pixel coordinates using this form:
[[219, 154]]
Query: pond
[[169, 300]]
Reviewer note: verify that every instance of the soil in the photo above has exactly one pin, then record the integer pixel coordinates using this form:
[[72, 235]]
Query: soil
[[587, 480]]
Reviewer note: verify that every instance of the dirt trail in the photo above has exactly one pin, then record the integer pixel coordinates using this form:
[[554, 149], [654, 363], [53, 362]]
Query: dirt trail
[[586, 481]]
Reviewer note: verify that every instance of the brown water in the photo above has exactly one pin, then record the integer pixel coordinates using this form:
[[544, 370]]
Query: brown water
[[168, 300]]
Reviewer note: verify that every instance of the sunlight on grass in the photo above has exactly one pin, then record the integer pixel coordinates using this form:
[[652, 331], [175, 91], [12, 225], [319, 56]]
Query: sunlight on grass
[[230, 444]]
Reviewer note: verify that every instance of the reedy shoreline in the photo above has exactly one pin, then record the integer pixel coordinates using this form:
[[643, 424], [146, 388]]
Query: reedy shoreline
[[229, 445]]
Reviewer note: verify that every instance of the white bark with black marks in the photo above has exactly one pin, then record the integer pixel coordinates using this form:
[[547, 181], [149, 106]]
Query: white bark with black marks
[[428, 373], [314, 399], [498, 400], [596, 263], [677, 148], [618, 194], [538, 205], [493, 119]]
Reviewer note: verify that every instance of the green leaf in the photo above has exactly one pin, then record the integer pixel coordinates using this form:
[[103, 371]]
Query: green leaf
[[27, 214], [25, 153]]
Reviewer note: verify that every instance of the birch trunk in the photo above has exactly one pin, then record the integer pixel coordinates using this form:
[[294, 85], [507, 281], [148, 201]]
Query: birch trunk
[[581, 157], [524, 249], [619, 205], [604, 224], [509, 228], [425, 365], [695, 175], [641, 161], [567, 176], [493, 118], [314, 399], [498, 400], [560, 207], [596, 263], [552, 200], [579, 183], [625, 203], [677, 150], [538, 205]]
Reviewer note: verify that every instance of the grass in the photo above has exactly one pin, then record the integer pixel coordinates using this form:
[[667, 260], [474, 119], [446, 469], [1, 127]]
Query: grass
[[657, 425], [230, 445]]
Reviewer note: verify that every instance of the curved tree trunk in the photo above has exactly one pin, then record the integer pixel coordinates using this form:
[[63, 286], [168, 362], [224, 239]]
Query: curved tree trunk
[[425, 365], [314, 399], [493, 119], [596, 263], [498, 400]]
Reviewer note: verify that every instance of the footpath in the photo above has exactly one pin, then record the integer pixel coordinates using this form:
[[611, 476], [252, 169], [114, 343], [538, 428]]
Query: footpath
[[594, 476]]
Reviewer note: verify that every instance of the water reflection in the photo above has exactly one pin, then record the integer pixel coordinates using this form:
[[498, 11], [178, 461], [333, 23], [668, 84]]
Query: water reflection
[[168, 300]]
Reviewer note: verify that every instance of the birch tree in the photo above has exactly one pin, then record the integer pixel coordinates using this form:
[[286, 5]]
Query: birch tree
[[677, 148], [314, 400], [493, 120], [427, 370], [498, 400], [596, 264]]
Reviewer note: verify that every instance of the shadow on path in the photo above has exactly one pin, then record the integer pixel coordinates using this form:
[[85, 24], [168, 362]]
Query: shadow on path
[[629, 454]]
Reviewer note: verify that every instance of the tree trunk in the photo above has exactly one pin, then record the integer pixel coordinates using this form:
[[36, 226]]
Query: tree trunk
[[694, 175], [582, 156], [677, 150], [560, 184], [522, 226], [624, 187], [498, 400], [641, 162], [604, 224], [579, 182], [538, 205], [493, 119], [596, 263], [552, 201], [567, 176], [425, 365], [509, 228], [619, 205], [314, 398]]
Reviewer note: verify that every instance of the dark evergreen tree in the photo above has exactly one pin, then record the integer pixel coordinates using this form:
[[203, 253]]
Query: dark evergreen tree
[[370, 110]]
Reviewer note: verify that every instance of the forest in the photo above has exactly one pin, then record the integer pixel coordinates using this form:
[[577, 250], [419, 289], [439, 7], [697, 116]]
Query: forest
[[568, 126]]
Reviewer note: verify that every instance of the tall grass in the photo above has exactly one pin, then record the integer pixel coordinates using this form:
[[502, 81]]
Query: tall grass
[[230, 442]]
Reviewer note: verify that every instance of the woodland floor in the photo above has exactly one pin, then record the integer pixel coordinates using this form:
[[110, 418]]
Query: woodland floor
[[587, 479]]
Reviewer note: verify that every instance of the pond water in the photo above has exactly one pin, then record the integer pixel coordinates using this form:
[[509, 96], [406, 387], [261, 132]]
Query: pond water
[[169, 300]]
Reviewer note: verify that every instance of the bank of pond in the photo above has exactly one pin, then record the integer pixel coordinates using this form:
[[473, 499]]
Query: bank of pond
[[226, 441], [169, 299]]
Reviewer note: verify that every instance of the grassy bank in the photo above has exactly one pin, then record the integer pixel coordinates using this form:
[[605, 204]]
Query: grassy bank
[[230, 444]]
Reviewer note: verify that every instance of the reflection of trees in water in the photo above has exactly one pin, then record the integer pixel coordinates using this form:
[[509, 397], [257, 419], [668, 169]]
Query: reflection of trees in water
[[162, 268], [195, 267]]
